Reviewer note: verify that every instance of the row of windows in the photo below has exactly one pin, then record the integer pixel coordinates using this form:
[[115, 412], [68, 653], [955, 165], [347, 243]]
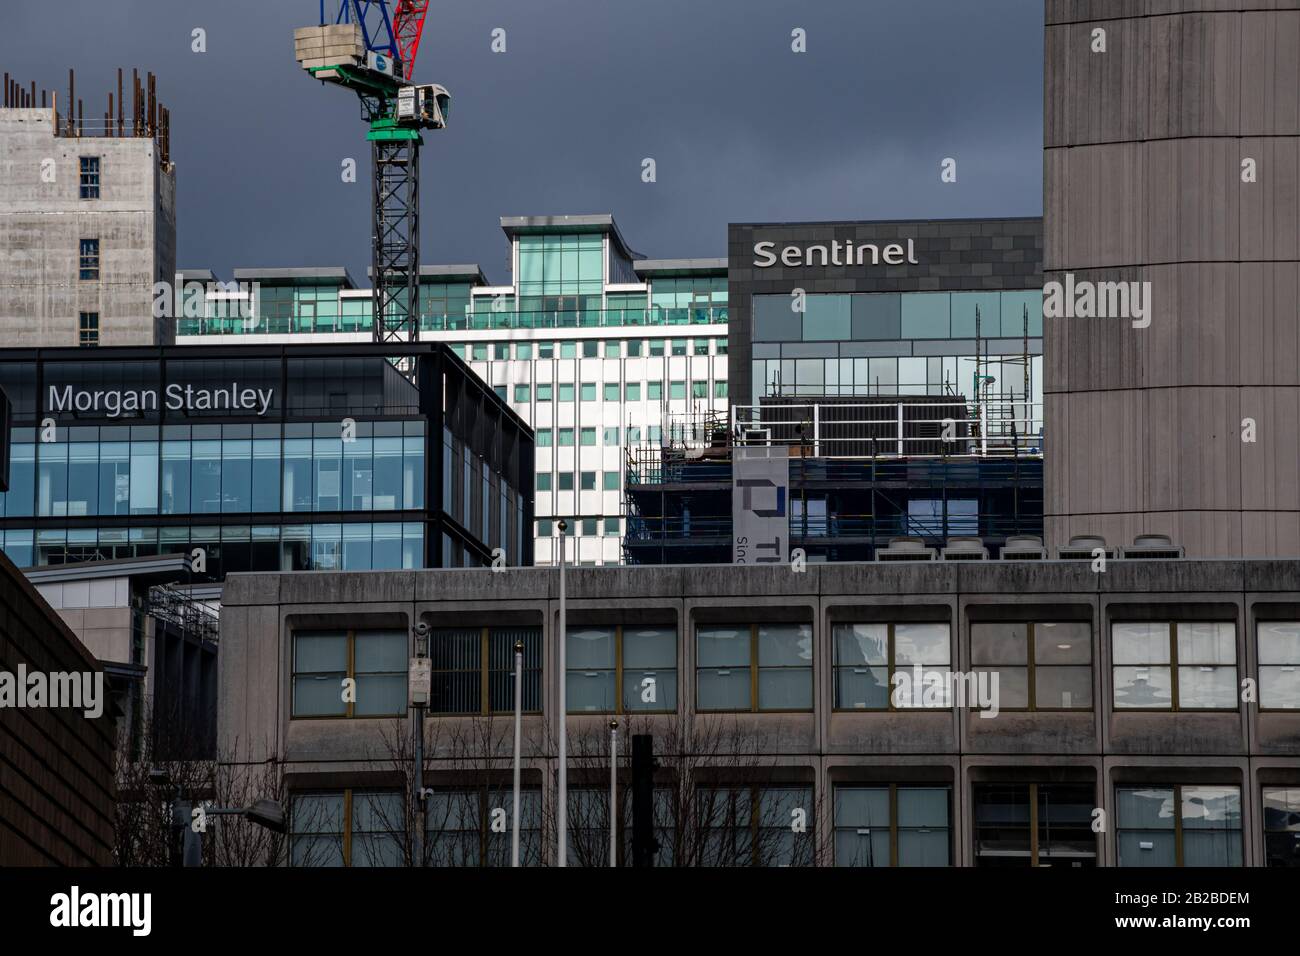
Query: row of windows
[[881, 825], [354, 546], [611, 391], [587, 527], [1040, 666], [586, 481], [218, 475], [588, 348]]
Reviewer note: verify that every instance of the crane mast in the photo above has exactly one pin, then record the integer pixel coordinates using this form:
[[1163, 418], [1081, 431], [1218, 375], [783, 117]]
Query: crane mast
[[369, 47]]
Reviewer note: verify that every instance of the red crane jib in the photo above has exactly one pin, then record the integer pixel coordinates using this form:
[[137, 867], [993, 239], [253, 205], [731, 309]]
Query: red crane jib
[[408, 26]]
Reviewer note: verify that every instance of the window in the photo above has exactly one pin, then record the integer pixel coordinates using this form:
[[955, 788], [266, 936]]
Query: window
[[347, 828], [545, 527], [868, 656], [1034, 824], [589, 528], [720, 346], [568, 350], [1279, 664], [474, 669], [524, 351], [633, 434], [545, 437], [679, 347], [745, 825], [588, 391], [612, 349], [892, 826], [1184, 665], [89, 177], [543, 393], [588, 481], [501, 351], [611, 391], [611, 481], [634, 348], [522, 393], [754, 667], [654, 391], [566, 391], [701, 346], [545, 350], [653, 433], [611, 526], [621, 670], [459, 827], [543, 481], [566, 437], [87, 329], [89, 259], [590, 348], [656, 347], [1040, 666], [589, 437], [1178, 826], [677, 390], [566, 481], [373, 661], [501, 392], [720, 388], [632, 392], [480, 351], [1281, 826], [699, 389], [611, 437]]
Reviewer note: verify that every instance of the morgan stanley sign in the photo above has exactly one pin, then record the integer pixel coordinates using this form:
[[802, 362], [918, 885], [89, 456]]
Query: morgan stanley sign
[[114, 403], [837, 253]]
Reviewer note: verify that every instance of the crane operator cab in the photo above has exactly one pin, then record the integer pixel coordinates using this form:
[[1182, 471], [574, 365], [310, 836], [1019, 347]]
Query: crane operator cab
[[424, 106]]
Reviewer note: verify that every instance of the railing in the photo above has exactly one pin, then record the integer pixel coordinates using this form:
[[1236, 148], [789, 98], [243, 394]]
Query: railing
[[301, 323], [877, 528], [169, 604], [943, 427]]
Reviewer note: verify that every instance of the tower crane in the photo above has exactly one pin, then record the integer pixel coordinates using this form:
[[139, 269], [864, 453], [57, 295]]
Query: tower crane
[[370, 47]]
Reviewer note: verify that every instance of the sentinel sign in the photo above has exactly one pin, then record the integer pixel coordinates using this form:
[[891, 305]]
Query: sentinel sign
[[113, 403], [837, 253]]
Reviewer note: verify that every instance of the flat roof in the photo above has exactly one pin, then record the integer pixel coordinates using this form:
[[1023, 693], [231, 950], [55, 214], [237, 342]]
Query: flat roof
[[306, 275], [468, 270], [561, 225], [672, 267], [164, 567], [890, 222]]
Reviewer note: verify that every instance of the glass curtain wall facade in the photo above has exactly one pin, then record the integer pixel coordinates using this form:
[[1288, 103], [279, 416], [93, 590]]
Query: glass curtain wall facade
[[597, 350], [281, 461]]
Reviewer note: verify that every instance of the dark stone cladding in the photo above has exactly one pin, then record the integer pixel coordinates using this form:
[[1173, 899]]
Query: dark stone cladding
[[957, 255]]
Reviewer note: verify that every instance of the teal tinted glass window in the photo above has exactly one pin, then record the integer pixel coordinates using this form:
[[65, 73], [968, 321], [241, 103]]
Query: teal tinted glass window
[[677, 390], [588, 391], [524, 350], [633, 391], [827, 318], [566, 437], [566, 391], [589, 437], [611, 481], [543, 481], [545, 437], [568, 350], [926, 315], [612, 349], [566, 482], [964, 305], [654, 391], [588, 481], [522, 393], [1015, 305], [543, 393], [611, 436]]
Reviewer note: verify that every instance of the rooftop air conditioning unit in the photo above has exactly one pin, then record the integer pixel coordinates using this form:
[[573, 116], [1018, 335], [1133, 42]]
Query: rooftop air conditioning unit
[[1023, 547], [965, 549], [906, 549], [1152, 547], [1082, 546]]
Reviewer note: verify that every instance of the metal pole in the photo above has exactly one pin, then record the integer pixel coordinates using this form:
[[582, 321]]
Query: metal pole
[[417, 784], [519, 723], [613, 793], [563, 795]]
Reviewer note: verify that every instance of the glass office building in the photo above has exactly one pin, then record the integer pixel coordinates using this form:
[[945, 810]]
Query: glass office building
[[597, 348], [310, 457]]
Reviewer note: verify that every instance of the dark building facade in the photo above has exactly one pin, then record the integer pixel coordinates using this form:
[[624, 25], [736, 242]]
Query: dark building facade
[[56, 763], [292, 457]]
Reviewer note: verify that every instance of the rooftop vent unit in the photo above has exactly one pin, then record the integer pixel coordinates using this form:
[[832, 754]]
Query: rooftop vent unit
[[1023, 547], [1082, 546], [906, 549], [1151, 547], [965, 549]]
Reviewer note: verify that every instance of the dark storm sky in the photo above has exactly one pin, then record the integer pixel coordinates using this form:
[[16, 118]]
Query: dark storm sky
[[741, 128]]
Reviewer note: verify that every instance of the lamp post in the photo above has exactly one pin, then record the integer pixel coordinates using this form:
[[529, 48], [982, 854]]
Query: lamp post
[[613, 793], [519, 722], [563, 795]]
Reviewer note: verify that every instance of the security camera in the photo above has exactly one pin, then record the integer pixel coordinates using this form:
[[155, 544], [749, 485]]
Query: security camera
[[422, 629]]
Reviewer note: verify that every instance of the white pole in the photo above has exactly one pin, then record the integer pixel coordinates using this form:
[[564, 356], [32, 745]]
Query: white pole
[[519, 722], [613, 793], [563, 796]]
